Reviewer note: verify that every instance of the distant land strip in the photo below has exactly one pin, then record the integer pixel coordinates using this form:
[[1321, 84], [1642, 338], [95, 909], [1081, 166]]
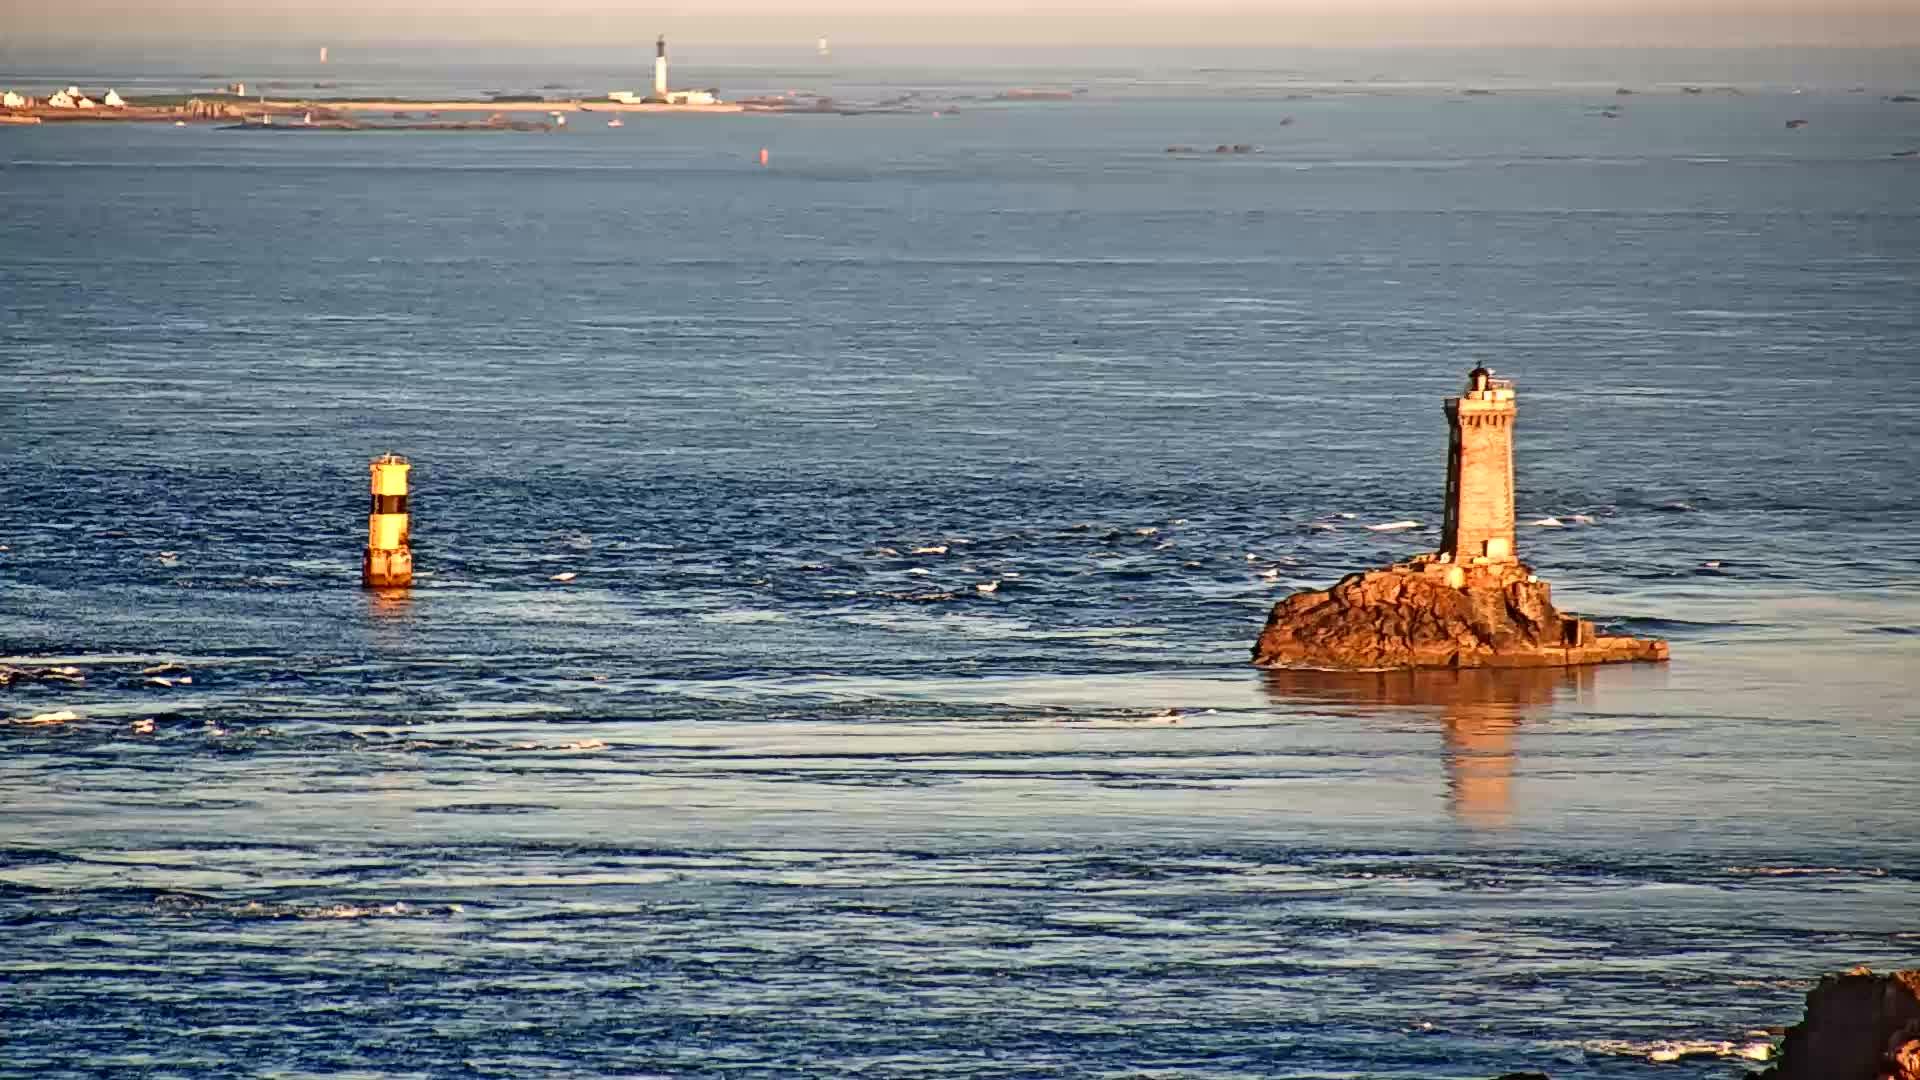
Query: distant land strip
[[502, 106]]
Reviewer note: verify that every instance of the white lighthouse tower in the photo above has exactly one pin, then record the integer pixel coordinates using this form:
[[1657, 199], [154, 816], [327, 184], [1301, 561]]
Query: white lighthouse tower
[[660, 68]]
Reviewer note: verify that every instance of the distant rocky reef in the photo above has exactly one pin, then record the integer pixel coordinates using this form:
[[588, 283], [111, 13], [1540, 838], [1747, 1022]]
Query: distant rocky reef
[[1432, 614]]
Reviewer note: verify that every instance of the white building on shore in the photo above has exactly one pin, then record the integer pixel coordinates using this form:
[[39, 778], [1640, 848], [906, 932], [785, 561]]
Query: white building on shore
[[11, 100], [113, 100], [74, 98], [671, 97]]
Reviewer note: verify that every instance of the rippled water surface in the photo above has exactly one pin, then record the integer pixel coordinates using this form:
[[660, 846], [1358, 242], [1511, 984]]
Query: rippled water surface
[[774, 786]]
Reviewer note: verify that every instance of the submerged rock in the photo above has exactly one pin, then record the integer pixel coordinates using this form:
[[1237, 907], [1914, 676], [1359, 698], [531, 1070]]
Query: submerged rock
[[71, 676], [1859, 1026], [1429, 613]]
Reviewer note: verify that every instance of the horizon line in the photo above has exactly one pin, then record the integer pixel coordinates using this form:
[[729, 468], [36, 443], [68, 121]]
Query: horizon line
[[600, 44]]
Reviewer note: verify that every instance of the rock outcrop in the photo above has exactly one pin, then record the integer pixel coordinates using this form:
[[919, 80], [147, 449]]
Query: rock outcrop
[[71, 676], [1859, 1026], [1432, 613]]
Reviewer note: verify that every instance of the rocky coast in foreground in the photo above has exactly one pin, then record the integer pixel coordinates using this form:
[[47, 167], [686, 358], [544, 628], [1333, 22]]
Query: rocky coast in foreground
[[1857, 1026]]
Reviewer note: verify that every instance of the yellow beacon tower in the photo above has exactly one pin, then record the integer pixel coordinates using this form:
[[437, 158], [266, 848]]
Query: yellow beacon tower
[[389, 561]]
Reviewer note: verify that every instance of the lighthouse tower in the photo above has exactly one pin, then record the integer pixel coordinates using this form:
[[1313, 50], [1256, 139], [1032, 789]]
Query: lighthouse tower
[[1479, 516], [660, 68]]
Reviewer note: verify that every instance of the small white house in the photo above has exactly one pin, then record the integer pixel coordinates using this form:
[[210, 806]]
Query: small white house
[[113, 100], [625, 97], [60, 100], [12, 100]]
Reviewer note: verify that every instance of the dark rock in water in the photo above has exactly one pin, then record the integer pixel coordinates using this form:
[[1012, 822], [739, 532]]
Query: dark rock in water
[[1428, 613], [71, 676], [1859, 1026], [1523, 1076]]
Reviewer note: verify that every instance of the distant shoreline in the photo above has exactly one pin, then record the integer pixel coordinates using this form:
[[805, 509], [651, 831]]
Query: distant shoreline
[[227, 109], [505, 106]]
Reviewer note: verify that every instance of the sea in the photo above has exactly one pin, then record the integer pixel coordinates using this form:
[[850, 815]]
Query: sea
[[836, 577]]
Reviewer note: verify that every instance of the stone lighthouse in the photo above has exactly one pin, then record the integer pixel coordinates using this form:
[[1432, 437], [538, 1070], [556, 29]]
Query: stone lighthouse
[[1478, 527], [1471, 604]]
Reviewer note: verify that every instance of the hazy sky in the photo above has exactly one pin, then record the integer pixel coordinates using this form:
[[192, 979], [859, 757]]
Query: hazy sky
[[1053, 22]]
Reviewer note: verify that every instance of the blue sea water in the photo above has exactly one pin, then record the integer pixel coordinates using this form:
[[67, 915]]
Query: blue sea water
[[773, 787]]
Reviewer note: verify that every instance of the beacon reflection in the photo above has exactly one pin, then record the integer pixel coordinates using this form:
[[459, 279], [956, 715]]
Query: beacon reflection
[[1480, 712], [389, 603]]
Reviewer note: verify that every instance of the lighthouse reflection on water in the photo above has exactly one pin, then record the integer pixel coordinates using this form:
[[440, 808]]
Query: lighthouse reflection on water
[[1482, 711]]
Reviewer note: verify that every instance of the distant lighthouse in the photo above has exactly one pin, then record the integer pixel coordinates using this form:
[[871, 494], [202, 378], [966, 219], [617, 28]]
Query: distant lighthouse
[[1479, 513], [660, 67]]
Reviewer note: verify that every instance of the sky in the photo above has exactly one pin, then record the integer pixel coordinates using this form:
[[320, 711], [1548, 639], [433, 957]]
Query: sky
[[1681, 23]]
